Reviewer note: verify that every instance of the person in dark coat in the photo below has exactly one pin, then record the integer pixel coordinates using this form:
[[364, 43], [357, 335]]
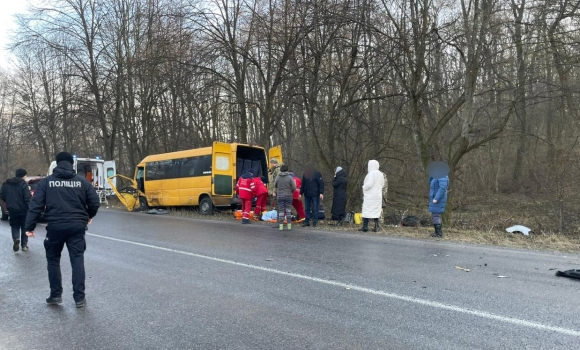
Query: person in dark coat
[[16, 194], [339, 198], [70, 203], [437, 202], [313, 191]]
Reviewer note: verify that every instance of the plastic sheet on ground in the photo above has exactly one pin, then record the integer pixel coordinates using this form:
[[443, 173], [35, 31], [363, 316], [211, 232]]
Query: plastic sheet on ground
[[157, 211], [519, 229]]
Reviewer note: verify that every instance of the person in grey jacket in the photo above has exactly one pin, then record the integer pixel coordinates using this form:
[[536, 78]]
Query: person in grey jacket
[[284, 187]]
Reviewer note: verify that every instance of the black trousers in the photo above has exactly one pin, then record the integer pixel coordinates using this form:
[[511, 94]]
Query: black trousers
[[73, 235], [17, 222]]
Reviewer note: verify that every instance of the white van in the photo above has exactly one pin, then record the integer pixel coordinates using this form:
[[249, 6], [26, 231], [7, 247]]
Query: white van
[[96, 171]]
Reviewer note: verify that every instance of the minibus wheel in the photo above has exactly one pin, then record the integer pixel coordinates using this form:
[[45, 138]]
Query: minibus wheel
[[206, 206]]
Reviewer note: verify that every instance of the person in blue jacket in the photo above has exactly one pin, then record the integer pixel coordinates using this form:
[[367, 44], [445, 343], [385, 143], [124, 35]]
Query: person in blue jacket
[[437, 201]]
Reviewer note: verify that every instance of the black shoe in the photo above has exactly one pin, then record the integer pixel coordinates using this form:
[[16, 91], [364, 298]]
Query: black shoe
[[245, 221], [438, 232], [364, 229], [305, 224], [16, 245], [81, 303], [53, 301]]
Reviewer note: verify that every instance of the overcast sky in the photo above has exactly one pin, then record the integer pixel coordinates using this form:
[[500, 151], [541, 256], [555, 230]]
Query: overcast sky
[[8, 9]]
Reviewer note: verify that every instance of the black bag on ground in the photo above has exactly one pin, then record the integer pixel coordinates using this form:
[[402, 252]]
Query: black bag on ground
[[321, 215], [569, 273], [349, 217]]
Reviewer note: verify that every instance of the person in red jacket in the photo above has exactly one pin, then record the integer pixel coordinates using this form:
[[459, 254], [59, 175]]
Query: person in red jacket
[[244, 191], [296, 198], [260, 191]]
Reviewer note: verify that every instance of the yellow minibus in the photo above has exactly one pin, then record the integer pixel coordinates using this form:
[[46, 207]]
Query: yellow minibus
[[204, 177]]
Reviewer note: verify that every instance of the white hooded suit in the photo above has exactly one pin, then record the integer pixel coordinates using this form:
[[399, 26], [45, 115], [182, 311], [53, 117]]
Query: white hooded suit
[[373, 192]]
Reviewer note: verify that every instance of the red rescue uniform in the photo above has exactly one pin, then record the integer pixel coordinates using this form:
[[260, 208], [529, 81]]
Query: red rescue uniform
[[244, 191], [296, 200], [260, 191]]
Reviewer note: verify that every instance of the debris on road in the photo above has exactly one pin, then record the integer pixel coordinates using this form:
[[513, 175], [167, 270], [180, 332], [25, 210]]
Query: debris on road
[[269, 259], [569, 273], [462, 268], [500, 276], [157, 211], [519, 229]]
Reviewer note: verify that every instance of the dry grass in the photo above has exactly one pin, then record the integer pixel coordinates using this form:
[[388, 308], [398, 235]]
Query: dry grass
[[550, 242], [547, 241], [492, 237]]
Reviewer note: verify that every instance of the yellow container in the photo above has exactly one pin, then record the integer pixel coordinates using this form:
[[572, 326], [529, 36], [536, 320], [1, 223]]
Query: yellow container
[[358, 219]]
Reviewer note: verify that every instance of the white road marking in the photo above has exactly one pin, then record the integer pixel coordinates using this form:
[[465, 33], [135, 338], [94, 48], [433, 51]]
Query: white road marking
[[435, 304]]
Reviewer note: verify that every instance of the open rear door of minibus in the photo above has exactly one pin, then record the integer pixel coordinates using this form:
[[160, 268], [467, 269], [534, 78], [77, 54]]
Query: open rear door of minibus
[[276, 152], [222, 180]]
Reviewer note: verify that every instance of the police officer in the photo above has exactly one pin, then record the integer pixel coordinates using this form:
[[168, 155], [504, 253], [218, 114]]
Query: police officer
[[16, 194], [69, 202]]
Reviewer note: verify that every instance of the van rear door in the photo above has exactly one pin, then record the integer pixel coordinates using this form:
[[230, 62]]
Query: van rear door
[[110, 170], [51, 168], [276, 152], [222, 175]]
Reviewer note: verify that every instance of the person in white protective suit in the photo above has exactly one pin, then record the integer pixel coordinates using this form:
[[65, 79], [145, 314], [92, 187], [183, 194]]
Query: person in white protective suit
[[373, 196]]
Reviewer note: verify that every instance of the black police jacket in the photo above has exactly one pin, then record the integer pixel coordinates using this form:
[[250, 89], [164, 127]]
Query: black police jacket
[[16, 194], [67, 197]]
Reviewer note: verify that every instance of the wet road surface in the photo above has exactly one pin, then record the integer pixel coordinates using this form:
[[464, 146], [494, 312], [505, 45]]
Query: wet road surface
[[160, 282]]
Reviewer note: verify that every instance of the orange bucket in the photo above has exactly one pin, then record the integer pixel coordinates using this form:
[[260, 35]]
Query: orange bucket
[[238, 214]]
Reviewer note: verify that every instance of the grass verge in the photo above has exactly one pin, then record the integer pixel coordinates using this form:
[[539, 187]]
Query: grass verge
[[542, 241]]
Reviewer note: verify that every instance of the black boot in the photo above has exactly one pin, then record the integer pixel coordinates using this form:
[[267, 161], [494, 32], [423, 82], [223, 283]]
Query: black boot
[[377, 226], [365, 227], [438, 233]]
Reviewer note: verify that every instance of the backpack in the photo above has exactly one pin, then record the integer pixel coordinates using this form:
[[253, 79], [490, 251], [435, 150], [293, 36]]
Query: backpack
[[349, 217]]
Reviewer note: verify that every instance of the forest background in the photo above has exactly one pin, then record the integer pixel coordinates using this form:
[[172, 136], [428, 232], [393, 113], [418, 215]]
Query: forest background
[[490, 86]]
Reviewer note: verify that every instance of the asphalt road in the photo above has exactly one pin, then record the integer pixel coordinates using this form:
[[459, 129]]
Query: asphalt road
[[160, 282]]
